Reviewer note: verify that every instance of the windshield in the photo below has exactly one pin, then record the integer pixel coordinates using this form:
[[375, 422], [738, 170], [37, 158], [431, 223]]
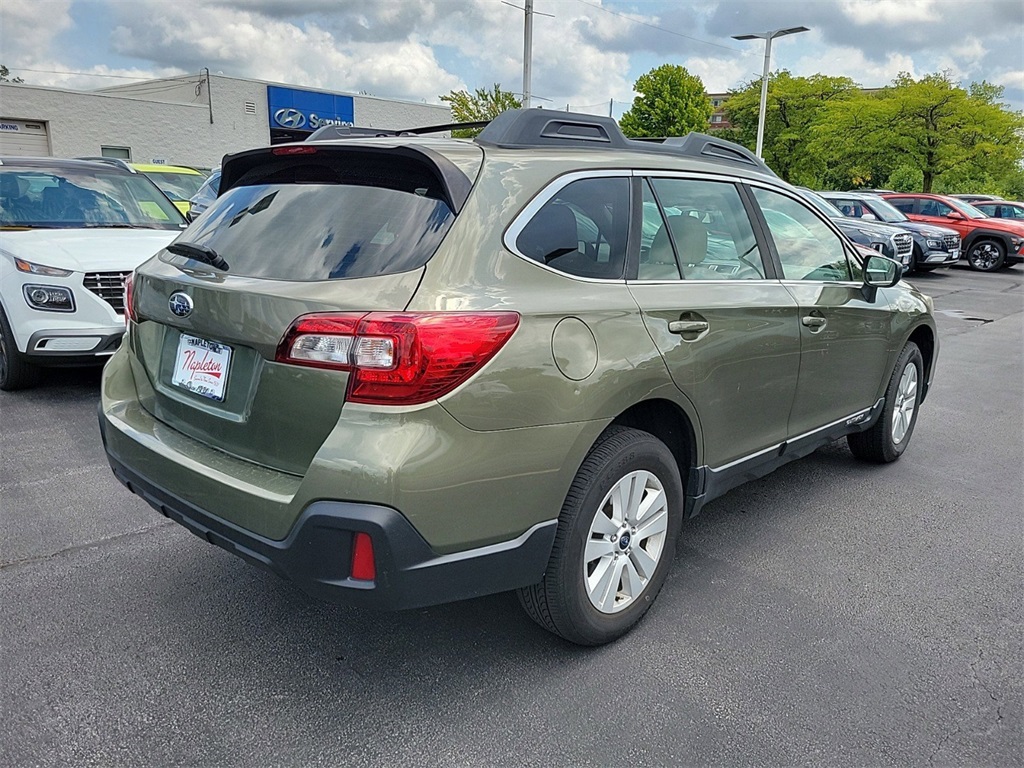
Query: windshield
[[310, 231], [75, 198], [822, 204], [967, 209], [886, 211], [177, 186]]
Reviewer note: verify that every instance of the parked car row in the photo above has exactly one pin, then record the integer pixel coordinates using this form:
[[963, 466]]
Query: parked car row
[[988, 234]]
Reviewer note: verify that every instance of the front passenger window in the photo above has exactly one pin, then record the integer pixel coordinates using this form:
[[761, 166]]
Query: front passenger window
[[807, 248]]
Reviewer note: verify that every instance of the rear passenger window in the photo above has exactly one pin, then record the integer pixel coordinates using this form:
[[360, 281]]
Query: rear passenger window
[[699, 229], [907, 206], [582, 230], [808, 249]]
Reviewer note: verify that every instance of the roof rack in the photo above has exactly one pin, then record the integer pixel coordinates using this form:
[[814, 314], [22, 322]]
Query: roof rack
[[116, 161], [329, 132], [548, 128]]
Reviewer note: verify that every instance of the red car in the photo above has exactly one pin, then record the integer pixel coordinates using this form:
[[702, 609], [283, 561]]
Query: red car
[[988, 243]]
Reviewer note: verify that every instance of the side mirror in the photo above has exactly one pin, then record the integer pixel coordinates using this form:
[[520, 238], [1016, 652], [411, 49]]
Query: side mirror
[[882, 272], [869, 217], [955, 215]]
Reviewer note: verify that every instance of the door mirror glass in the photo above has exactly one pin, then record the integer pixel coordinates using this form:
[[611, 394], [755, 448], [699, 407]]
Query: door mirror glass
[[882, 272]]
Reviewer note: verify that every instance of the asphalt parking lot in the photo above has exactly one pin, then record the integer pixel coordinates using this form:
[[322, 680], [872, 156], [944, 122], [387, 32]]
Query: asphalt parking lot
[[832, 613]]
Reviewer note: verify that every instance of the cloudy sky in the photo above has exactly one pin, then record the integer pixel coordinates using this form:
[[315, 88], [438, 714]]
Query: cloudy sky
[[586, 52]]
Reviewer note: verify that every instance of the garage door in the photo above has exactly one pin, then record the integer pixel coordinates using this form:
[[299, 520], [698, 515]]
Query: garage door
[[23, 138]]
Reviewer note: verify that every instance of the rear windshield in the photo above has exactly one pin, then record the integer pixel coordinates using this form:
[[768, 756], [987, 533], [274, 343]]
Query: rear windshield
[[322, 221]]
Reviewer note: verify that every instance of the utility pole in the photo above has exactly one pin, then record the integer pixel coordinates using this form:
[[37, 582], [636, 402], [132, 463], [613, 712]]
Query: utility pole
[[527, 53]]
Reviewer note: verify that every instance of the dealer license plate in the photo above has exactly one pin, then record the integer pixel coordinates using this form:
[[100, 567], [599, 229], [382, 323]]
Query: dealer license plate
[[201, 366]]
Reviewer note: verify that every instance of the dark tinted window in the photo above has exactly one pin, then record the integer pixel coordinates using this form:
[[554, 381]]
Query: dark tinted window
[[581, 230], [323, 222], [905, 204]]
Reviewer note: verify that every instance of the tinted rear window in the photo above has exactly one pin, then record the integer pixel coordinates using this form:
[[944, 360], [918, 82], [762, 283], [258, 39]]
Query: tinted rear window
[[324, 220]]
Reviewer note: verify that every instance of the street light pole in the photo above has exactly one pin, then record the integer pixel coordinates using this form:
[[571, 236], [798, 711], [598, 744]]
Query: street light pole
[[767, 37], [527, 53]]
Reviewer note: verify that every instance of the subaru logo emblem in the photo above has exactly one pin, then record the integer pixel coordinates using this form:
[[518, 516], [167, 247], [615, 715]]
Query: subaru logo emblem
[[180, 304], [624, 541], [289, 118]]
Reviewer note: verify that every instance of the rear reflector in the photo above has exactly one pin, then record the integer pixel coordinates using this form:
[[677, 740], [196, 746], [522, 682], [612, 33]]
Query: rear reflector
[[401, 358], [363, 566]]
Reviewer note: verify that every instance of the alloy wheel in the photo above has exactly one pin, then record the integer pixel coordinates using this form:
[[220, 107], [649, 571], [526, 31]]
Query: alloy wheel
[[625, 542], [984, 256], [906, 402]]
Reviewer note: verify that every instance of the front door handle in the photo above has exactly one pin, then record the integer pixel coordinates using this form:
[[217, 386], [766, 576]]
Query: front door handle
[[814, 322], [687, 326]]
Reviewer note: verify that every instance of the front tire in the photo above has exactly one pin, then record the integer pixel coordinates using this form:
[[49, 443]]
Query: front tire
[[986, 255], [15, 371], [887, 439], [615, 542]]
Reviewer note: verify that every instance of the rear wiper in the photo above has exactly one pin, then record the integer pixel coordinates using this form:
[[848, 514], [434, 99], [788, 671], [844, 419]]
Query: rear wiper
[[199, 252]]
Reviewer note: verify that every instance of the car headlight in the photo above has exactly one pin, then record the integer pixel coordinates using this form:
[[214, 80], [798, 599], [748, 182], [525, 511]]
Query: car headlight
[[49, 298], [1017, 242], [934, 243], [40, 269]]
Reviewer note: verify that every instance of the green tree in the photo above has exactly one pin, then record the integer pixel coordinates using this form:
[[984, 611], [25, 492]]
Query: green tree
[[672, 102], [480, 105], [961, 140], [5, 76], [793, 106]]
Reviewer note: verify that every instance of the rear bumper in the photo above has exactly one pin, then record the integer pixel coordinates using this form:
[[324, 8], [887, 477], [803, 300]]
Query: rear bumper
[[316, 555]]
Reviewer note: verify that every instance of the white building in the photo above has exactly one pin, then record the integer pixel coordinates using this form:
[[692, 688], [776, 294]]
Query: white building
[[188, 120]]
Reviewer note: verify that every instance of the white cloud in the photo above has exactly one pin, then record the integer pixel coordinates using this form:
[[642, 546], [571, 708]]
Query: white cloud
[[28, 27], [863, 12]]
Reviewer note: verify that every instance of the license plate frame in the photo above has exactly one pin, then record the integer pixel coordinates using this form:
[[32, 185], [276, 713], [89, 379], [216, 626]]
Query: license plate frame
[[201, 366]]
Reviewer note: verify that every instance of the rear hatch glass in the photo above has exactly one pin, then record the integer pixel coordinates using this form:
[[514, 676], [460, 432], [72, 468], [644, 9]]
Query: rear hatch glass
[[334, 231]]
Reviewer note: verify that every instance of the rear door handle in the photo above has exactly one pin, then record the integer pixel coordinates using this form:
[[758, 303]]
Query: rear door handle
[[814, 322], [687, 326]]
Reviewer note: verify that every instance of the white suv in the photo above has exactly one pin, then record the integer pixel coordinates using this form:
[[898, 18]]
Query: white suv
[[70, 232]]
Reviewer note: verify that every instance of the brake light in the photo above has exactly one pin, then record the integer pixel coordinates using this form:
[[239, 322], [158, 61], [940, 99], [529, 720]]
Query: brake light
[[129, 298], [364, 567], [293, 151], [402, 358]]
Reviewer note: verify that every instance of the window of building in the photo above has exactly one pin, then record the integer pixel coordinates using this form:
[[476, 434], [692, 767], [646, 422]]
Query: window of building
[[122, 153]]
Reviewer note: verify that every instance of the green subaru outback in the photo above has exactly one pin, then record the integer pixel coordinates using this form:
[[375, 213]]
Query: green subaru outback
[[402, 370]]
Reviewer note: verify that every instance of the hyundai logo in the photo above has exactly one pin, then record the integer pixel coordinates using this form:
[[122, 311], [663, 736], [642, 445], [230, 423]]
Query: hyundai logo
[[180, 304], [289, 118]]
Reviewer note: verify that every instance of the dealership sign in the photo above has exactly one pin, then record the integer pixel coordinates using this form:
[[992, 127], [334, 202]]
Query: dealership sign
[[295, 109]]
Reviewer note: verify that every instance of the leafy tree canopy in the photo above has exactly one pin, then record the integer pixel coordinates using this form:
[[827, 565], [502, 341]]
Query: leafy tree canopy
[[794, 104], [5, 76], [961, 140], [672, 102], [480, 105]]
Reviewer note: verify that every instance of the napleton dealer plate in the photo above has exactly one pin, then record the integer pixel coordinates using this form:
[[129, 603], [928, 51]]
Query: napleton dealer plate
[[201, 366]]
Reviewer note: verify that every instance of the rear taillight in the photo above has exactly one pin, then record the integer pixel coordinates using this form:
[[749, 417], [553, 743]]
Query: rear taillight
[[129, 298], [401, 358]]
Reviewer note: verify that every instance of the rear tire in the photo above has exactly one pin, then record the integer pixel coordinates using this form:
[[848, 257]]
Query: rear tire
[[615, 542], [986, 255], [15, 371], [887, 438]]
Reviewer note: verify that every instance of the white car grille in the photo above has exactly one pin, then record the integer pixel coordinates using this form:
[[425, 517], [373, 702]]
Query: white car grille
[[109, 286]]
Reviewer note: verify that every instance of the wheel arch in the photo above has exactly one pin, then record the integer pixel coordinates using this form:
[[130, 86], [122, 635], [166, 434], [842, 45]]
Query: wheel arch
[[924, 337], [668, 422], [987, 234]]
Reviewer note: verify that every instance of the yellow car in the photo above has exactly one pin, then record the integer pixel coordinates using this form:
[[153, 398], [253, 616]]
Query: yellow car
[[177, 182]]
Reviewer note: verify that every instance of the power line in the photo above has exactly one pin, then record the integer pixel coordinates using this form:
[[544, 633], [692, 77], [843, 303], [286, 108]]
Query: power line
[[86, 74], [655, 26]]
